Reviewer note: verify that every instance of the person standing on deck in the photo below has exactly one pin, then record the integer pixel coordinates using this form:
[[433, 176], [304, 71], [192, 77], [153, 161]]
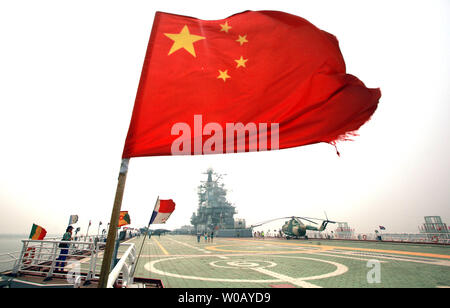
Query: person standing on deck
[[59, 266]]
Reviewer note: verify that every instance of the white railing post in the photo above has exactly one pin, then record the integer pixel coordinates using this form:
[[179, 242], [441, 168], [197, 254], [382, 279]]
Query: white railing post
[[125, 275], [19, 261], [53, 254], [92, 263], [132, 263], [37, 260], [94, 269]]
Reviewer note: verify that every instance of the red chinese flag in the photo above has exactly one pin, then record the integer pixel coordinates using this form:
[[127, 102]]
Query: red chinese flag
[[251, 82]]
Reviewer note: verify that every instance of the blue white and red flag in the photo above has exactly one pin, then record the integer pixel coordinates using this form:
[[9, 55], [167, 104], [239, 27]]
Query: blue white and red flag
[[163, 210]]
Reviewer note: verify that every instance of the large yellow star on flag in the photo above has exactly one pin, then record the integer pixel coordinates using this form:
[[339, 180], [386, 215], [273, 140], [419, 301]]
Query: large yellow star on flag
[[184, 39], [223, 75], [241, 62]]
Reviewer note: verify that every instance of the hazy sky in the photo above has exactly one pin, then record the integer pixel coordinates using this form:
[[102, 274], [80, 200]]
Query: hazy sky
[[69, 72]]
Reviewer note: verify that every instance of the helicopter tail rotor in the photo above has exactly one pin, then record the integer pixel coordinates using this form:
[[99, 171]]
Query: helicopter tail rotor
[[328, 221]]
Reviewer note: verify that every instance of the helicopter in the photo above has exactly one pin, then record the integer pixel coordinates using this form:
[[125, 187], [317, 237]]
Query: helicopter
[[295, 228]]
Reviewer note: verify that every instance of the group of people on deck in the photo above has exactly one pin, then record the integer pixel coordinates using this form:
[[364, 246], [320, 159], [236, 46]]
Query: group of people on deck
[[209, 236], [258, 234]]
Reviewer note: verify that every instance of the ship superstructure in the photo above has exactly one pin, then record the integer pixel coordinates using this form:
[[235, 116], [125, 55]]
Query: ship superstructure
[[214, 212]]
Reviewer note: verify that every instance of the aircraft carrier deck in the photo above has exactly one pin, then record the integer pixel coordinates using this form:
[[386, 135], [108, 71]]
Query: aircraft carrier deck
[[179, 261]]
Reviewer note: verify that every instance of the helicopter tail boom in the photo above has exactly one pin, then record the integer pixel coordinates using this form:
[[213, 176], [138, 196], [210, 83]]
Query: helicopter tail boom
[[323, 225]]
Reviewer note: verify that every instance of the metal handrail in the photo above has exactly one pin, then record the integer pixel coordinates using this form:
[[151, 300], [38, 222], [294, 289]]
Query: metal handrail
[[123, 268]]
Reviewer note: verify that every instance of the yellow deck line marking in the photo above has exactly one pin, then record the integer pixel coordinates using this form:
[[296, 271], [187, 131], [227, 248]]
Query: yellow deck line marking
[[160, 246], [190, 246], [399, 252]]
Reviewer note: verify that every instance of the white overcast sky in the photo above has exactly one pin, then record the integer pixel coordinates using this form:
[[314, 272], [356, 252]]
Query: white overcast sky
[[69, 72]]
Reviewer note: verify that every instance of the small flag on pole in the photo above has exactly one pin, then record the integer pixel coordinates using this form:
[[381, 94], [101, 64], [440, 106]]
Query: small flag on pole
[[124, 219], [382, 228], [37, 233], [163, 210], [73, 219]]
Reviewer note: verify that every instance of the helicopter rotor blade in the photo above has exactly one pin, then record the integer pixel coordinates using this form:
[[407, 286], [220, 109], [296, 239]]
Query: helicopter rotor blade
[[306, 219], [313, 218], [330, 221], [254, 226], [296, 218], [265, 222], [326, 216]]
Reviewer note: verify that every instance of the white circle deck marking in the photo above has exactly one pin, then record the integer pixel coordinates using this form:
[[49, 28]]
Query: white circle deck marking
[[243, 264], [340, 269], [150, 266]]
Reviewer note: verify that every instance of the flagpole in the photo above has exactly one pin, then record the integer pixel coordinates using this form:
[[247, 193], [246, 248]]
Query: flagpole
[[110, 241], [98, 231], [87, 231], [142, 245]]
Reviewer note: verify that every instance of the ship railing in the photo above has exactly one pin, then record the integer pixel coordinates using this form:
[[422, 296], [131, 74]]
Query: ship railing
[[70, 260], [74, 261], [436, 238], [124, 269]]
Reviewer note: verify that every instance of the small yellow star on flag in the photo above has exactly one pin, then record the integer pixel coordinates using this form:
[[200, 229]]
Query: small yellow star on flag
[[223, 75], [242, 39], [184, 39], [225, 27], [241, 62]]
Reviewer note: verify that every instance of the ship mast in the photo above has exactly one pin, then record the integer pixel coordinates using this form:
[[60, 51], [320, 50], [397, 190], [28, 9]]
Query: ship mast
[[214, 211]]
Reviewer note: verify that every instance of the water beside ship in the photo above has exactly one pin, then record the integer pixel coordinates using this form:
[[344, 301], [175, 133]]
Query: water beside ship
[[11, 242]]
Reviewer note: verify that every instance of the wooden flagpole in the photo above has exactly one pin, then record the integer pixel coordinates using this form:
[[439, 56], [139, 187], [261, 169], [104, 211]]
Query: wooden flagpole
[[110, 241]]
